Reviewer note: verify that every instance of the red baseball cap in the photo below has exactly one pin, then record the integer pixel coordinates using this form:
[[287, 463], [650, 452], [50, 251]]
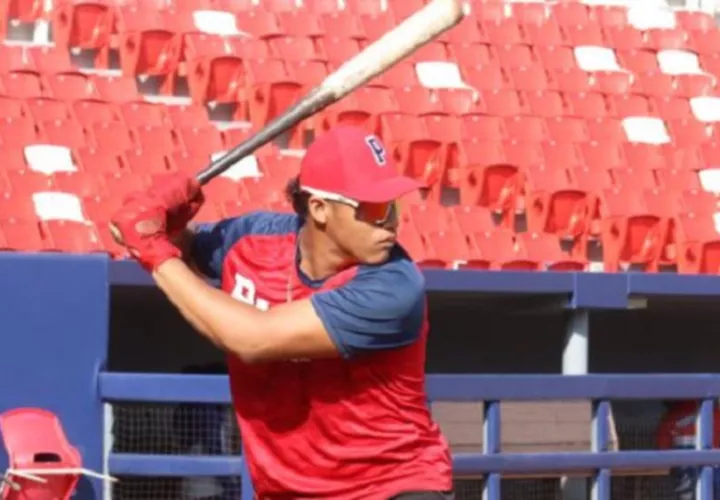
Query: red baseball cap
[[349, 162]]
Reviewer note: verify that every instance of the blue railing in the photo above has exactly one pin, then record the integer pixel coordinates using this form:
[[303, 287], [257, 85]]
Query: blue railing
[[599, 462]]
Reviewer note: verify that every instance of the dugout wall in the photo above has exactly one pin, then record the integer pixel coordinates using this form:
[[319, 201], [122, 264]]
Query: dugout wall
[[66, 319]]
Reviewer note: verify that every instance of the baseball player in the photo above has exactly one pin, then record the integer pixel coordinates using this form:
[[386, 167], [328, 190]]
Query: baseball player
[[323, 317]]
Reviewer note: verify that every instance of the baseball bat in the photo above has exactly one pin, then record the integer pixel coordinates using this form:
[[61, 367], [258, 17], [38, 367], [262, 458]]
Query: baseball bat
[[415, 31], [436, 17]]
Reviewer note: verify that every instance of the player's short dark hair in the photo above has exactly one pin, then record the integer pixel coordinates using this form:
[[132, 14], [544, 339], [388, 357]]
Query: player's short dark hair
[[297, 198]]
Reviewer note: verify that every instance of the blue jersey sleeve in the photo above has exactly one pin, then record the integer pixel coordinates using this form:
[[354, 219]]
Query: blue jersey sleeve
[[382, 307], [211, 242]]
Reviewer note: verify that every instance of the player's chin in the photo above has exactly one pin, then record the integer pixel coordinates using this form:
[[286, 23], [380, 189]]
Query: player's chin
[[377, 256]]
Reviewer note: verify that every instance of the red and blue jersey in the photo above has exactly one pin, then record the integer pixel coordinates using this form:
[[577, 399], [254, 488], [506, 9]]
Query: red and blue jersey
[[352, 427]]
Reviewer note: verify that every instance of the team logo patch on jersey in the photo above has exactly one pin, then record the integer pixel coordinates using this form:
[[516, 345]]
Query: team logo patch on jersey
[[377, 149]]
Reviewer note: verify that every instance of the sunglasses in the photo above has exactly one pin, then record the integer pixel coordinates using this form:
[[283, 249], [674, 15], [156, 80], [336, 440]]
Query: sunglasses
[[377, 214]]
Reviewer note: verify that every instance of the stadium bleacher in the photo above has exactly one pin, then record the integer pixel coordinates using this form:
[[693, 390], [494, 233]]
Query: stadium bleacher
[[568, 136], [563, 135]]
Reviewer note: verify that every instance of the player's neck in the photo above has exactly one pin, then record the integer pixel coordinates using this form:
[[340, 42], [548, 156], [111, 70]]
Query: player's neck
[[319, 257]]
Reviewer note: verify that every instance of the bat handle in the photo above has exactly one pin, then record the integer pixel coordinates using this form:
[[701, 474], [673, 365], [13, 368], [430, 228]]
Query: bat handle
[[116, 234]]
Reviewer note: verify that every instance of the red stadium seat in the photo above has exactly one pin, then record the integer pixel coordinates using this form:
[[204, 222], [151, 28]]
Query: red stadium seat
[[504, 103], [503, 32], [263, 190], [427, 217], [148, 44], [31, 434], [466, 31], [486, 78], [631, 234], [70, 86], [22, 85], [259, 23], [300, 23], [468, 54], [72, 237], [698, 245], [529, 78], [526, 128], [567, 129], [338, 50], [192, 115], [418, 100], [497, 250], [448, 249], [17, 132], [296, 48], [154, 139], [556, 58], [490, 128], [111, 137], [410, 144], [362, 107], [203, 140], [556, 204], [548, 104], [17, 206], [84, 25], [99, 161], [341, 24], [270, 89], [145, 114], [116, 89], [545, 248], [84, 185], [63, 133], [487, 179], [21, 236], [412, 242], [44, 110], [471, 219], [142, 163]]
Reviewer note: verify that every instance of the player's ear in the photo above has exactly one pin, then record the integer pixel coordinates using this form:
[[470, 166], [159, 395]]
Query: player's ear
[[319, 210]]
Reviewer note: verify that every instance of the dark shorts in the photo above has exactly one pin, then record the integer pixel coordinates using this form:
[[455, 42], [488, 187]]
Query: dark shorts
[[425, 495]]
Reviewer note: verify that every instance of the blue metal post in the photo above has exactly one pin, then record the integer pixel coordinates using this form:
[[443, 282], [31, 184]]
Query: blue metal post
[[575, 362], [704, 441], [491, 445], [600, 444]]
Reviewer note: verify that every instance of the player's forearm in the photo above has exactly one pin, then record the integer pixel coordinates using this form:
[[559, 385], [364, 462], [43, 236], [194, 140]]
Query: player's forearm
[[229, 324]]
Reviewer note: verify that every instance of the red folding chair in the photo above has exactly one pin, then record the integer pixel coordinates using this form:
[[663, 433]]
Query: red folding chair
[[43, 465]]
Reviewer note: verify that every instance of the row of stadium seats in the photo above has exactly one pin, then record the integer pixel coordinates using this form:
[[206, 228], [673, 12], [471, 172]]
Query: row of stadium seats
[[86, 122], [438, 237], [422, 146], [608, 12], [262, 21], [546, 28], [218, 61]]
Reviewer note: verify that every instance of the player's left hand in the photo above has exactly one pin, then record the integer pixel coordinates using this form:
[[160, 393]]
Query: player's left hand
[[180, 195], [141, 226]]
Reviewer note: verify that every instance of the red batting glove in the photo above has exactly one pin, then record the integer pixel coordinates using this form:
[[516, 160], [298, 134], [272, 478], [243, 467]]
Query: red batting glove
[[178, 194], [142, 227]]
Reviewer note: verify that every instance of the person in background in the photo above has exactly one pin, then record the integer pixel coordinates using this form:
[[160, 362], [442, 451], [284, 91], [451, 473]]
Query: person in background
[[677, 432]]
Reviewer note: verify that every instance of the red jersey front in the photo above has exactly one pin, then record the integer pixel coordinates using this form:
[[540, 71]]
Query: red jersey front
[[353, 427]]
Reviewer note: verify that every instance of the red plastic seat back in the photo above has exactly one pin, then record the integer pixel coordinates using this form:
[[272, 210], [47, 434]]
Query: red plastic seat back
[[34, 439]]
